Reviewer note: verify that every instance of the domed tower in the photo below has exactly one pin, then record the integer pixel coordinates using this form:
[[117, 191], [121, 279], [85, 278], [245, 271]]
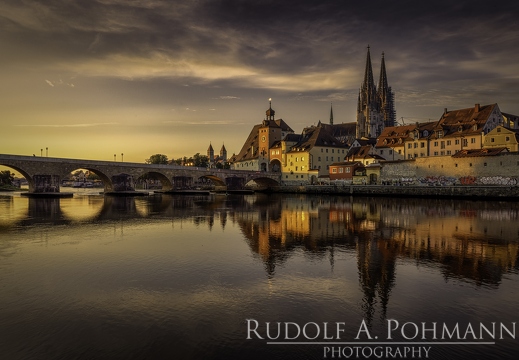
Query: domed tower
[[270, 112]]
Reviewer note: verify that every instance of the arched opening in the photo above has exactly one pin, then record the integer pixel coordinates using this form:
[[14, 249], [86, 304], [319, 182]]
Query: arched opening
[[12, 181], [263, 167], [154, 181], [264, 183], [209, 182], [85, 178], [275, 165]]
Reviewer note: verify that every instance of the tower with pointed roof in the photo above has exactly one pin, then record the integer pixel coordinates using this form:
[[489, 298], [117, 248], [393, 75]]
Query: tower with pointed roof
[[210, 153], [223, 154], [331, 114], [375, 108], [386, 96]]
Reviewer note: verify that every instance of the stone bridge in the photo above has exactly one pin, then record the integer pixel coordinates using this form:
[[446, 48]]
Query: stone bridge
[[44, 174]]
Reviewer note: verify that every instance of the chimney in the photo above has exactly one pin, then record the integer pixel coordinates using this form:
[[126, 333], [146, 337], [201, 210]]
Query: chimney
[[444, 111], [477, 108]]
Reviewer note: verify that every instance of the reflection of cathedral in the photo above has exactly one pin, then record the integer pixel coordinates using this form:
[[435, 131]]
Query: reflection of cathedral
[[463, 243]]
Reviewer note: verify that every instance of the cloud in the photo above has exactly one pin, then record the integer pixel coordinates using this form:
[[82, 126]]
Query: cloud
[[50, 83], [228, 97], [67, 125]]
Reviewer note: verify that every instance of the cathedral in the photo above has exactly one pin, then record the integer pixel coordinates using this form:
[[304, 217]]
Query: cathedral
[[376, 106]]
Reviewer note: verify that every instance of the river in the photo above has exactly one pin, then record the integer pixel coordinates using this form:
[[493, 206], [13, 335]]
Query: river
[[257, 277]]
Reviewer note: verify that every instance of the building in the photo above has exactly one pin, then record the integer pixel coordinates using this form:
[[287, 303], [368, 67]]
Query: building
[[311, 156], [463, 129], [344, 170], [502, 137], [255, 154], [376, 107]]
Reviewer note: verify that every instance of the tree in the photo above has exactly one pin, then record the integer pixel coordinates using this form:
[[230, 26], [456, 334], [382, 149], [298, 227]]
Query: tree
[[157, 159], [200, 160], [6, 177]]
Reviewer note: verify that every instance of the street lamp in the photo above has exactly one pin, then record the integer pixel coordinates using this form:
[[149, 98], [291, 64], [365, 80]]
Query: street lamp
[[114, 157], [122, 158], [46, 152], [41, 152]]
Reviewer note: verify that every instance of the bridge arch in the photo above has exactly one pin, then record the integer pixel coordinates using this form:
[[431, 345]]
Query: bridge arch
[[167, 183], [24, 173], [215, 179], [107, 182]]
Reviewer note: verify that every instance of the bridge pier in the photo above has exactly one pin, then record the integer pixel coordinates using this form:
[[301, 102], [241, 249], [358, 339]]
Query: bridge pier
[[124, 185], [45, 186]]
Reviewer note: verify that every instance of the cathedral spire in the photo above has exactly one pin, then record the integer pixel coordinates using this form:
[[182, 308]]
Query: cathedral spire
[[382, 83], [331, 114], [369, 83]]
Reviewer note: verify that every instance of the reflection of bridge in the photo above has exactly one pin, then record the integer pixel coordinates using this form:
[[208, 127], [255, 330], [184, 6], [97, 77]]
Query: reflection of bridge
[[44, 174]]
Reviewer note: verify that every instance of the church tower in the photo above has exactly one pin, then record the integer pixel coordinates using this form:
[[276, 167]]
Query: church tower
[[223, 154], [210, 153], [386, 96], [375, 108]]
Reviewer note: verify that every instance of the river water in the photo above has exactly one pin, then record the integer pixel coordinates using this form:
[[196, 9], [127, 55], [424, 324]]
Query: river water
[[257, 277]]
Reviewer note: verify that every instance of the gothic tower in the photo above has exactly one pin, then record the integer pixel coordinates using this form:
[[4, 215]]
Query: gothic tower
[[386, 96], [375, 109], [331, 114]]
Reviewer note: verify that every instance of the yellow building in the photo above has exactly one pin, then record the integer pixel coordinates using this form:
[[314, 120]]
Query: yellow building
[[502, 137]]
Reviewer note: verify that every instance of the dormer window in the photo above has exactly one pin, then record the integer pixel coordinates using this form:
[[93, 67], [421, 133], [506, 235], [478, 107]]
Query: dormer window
[[475, 127], [425, 133], [439, 134], [460, 128]]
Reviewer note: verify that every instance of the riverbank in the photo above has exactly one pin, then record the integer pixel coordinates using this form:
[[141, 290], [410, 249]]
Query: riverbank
[[466, 192]]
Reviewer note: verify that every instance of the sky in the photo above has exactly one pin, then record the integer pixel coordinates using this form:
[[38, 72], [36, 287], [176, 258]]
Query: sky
[[90, 79]]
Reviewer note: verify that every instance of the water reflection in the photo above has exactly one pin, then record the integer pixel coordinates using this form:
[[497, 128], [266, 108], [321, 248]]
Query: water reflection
[[368, 242], [476, 241]]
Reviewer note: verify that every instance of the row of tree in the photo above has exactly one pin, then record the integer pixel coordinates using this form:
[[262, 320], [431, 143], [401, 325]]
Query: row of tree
[[195, 160]]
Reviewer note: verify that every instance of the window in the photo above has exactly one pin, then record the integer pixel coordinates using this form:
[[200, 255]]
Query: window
[[457, 142], [484, 164], [381, 152], [348, 169], [436, 143], [507, 138], [492, 139], [465, 142], [334, 170], [302, 168], [341, 170], [321, 149], [422, 144], [327, 158], [296, 168], [442, 144], [449, 152], [333, 151], [400, 152], [455, 165], [326, 150], [442, 153], [436, 153], [390, 152], [302, 158], [498, 129], [415, 145], [472, 140], [448, 142], [319, 158], [409, 146]]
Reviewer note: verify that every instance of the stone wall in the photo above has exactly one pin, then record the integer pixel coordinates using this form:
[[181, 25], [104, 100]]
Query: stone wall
[[446, 170]]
